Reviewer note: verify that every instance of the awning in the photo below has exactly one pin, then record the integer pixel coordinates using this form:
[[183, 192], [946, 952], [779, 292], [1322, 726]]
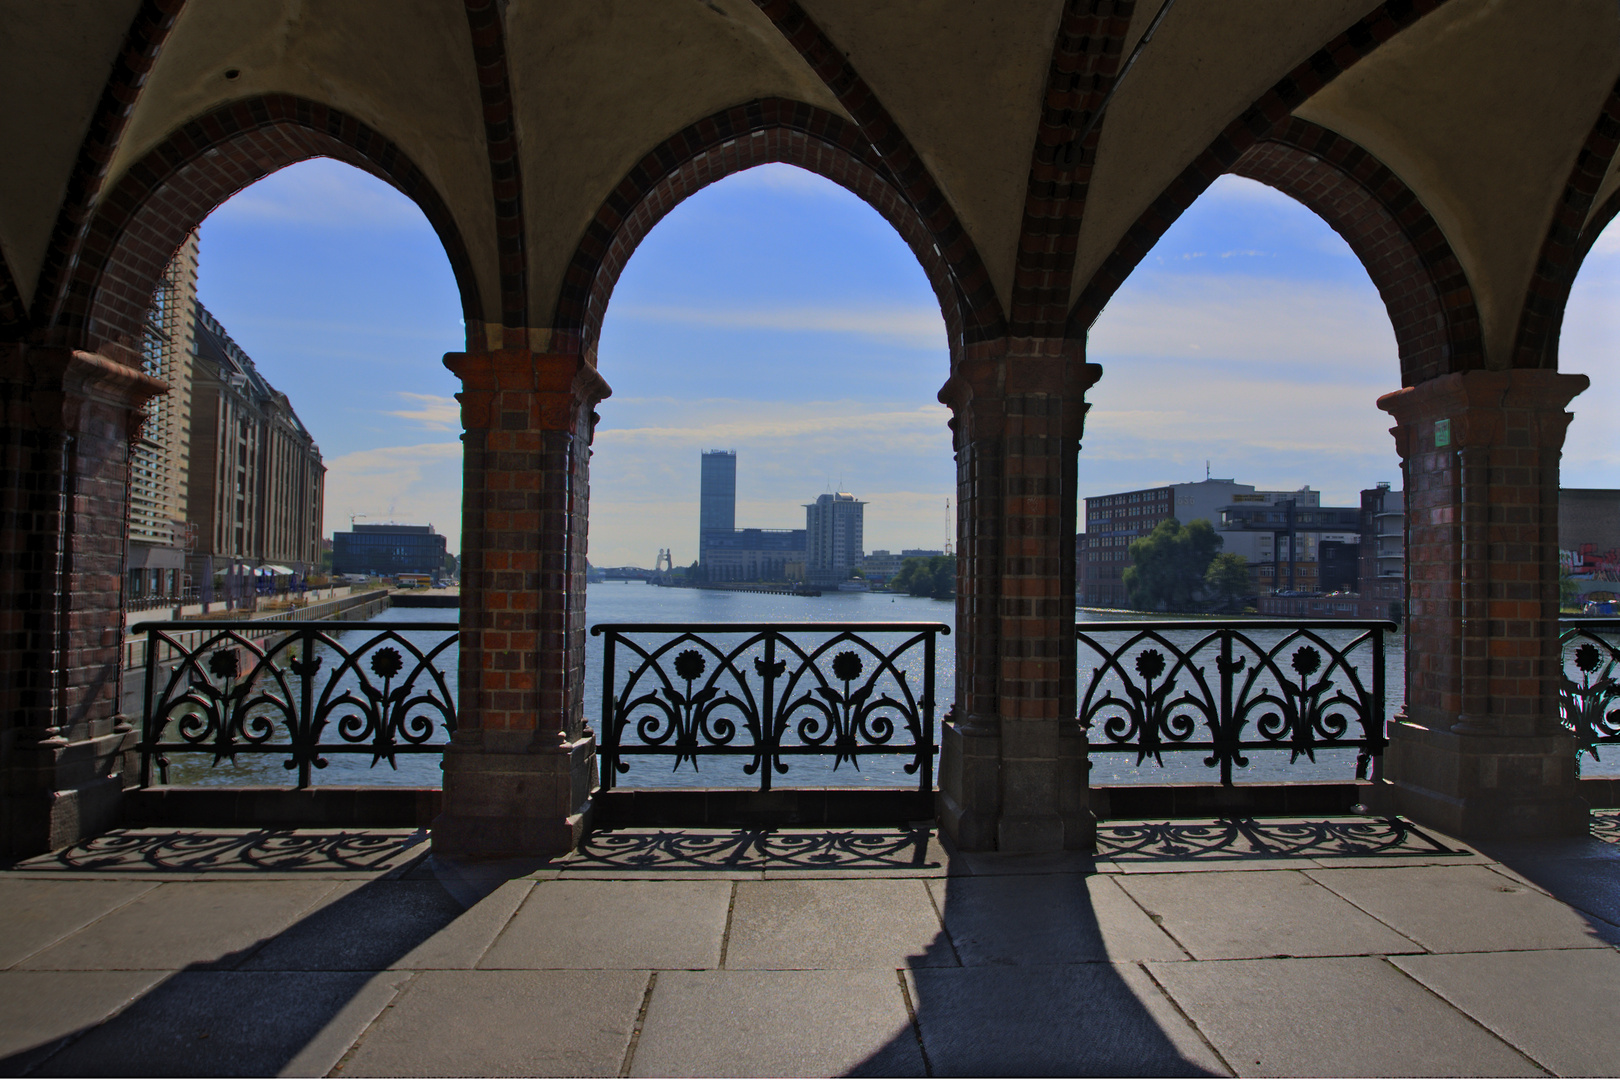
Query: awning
[[276, 570]]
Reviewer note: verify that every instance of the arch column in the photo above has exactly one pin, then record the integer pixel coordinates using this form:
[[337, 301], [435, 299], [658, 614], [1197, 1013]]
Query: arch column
[[1479, 751], [68, 421], [520, 769], [1013, 759]]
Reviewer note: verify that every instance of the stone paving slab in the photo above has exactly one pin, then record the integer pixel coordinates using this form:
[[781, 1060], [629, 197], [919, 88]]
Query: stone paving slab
[[1048, 919], [504, 1023], [778, 1023], [836, 924], [182, 924], [1461, 908], [233, 1023], [1077, 1020], [42, 1008], [465, 941], [635, 925], [1332, 1016], [1272, 913], [365, 926], [37, 914], [1563, 1009], [160, 854]]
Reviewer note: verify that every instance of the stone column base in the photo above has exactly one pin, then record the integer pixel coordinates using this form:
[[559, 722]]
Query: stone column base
[[503, 801], [970, 799], [1481, 787], [57, 792]]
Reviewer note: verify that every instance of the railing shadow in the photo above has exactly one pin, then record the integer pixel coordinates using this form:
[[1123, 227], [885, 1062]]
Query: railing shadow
[[1240, 839], [756, 849], [245, 851]]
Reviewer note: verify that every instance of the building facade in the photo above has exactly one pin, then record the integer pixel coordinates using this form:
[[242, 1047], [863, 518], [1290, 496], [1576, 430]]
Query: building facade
[[256, 484], [753, 554], [717, 499], [388, 550], [834, 529]]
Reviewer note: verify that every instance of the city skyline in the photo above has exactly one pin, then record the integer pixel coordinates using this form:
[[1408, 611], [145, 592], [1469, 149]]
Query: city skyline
[[774, 309]]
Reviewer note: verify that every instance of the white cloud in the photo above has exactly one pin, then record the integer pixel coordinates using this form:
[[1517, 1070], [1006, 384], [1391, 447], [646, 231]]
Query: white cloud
[[920, 327], [434, 412], [414, 484]]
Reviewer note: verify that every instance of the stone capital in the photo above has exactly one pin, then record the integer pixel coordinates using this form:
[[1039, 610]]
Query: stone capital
[[59, 382], [538, 391], [989, 374], [1481, 408]]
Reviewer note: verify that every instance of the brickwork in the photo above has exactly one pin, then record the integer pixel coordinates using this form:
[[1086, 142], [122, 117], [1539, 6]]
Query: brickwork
[[1428, 297], [484, 18], [767, 130], [1085, 59], [1480, 748], [517, 776], [142, 221], [147, 33], [983, 318], [1012, 777], [1563, 250], [64, 459], [1260, 119]]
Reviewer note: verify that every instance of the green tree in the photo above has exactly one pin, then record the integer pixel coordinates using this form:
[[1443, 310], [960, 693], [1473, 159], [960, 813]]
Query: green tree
[[1168, 565], [932, 577], [1569, 594], [1227, 579]]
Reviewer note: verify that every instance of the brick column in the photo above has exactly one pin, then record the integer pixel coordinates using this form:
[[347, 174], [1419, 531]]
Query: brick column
[[519, 772], [1013, 760], [64, 473], [1479, 751]]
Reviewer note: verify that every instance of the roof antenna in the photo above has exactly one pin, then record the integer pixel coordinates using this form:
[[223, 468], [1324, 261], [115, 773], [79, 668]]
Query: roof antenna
[[1206, 468]]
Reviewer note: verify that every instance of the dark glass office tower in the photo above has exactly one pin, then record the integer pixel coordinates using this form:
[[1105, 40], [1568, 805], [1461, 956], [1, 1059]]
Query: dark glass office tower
[[717, 508]]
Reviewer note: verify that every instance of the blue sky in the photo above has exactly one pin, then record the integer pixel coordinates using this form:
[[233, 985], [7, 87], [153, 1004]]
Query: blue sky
[[777, 315]]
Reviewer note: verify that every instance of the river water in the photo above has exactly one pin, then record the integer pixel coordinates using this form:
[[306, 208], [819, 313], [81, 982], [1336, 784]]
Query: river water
[[621, 602]]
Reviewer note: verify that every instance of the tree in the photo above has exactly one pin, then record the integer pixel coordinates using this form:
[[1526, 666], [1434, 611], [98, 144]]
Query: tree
[[932, 577], [1168, 565], [1227, 579]]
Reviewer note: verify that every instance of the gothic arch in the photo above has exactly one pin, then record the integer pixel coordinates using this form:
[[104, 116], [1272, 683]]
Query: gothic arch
[[139, 224], [757, 133]]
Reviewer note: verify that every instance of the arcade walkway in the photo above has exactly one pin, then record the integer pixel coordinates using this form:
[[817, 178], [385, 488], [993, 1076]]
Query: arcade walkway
[[1334, 947]]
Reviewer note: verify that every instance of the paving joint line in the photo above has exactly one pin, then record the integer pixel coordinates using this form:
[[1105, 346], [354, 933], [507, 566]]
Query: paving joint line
[[916, 1025], [399, 992], [945, 931], [1170, 999], [1465, 1014], [1158, 923], [725, 935], [636, 1029], [82, 927]]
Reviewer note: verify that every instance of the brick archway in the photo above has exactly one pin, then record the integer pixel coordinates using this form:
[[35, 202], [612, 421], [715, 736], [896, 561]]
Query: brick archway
[[757, 133], [139, 224], [1428, 297]]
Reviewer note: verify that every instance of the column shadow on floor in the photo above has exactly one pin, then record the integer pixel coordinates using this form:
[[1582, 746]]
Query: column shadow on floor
[[1582, 871]]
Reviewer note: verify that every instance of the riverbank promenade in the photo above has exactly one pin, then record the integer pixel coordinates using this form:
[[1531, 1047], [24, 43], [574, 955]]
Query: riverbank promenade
[[1344, 946]]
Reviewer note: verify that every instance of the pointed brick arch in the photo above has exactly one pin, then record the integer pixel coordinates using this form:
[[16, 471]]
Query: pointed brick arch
[[1428, 297], [757, 133], [139, 224]]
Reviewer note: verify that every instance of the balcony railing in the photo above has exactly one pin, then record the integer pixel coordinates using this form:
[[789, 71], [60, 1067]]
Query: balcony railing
[[1225, 689], [295, 690], [1588, 692], [768, 693]]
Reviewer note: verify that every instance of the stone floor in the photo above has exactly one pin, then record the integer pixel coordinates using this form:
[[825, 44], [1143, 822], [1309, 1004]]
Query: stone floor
[[1327, 947]]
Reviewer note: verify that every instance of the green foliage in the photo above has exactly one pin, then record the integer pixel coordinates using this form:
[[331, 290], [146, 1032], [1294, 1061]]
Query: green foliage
[[1168, 566], [933, 577], [1227, 579]]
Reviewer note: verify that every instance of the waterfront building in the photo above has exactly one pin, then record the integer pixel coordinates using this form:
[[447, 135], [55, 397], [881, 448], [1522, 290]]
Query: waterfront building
[[256, 482], [881, 565], [833, 529], [753, 554], [388, 550], [717, 499]]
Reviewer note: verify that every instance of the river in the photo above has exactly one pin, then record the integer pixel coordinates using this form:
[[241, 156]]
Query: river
[[617, 602]]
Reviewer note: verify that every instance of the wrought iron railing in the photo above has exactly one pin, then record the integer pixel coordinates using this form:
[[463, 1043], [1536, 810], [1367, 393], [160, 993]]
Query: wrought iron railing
[[768, 692], [1225, 689], [293, 689], [1588, 692]]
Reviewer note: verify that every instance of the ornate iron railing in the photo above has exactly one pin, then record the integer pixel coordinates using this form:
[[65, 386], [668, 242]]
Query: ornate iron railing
[[229, 688], [768, 692], [1223, 689], [1588, 692]]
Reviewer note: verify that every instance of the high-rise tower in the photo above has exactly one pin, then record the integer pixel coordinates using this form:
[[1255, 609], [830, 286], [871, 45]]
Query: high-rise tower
[[717, 507], [833, 537]]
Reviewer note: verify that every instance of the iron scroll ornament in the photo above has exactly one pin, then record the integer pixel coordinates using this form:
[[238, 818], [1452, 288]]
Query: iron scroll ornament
[[1588, 692], [767, 694], [1228, 692], [229, 691]]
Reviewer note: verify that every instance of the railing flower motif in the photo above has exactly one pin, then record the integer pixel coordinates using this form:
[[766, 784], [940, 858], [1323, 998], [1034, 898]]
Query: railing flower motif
[[761, 692], [1299, 692], [243, 684]]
